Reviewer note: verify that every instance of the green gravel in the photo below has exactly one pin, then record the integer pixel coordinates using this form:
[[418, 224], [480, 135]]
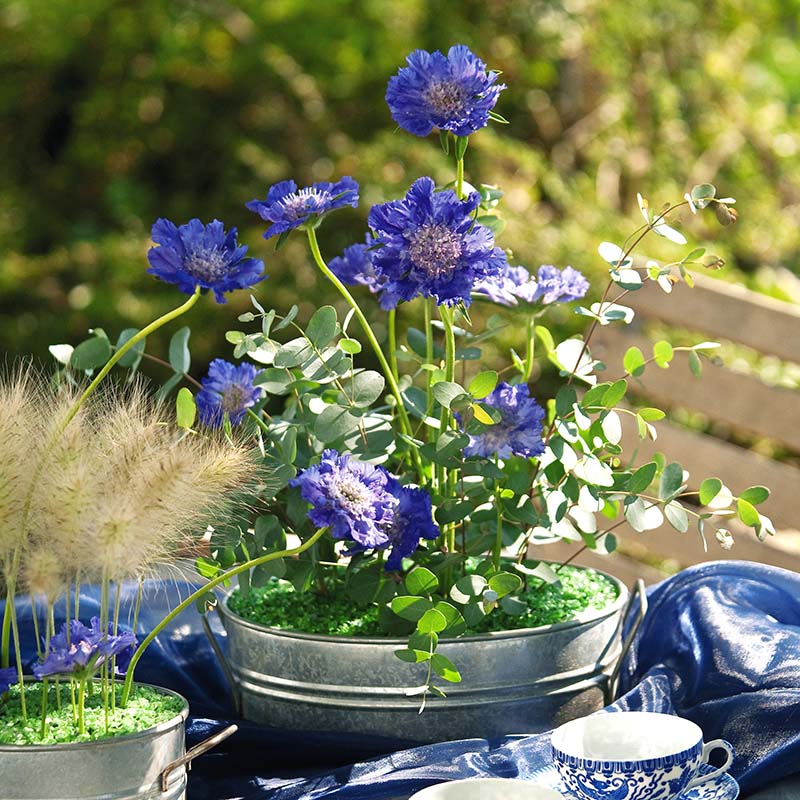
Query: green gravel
[[277, 605], [146, 708]]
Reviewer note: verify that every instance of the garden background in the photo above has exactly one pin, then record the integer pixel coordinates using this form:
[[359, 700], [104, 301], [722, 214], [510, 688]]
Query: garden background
[[114, 113]]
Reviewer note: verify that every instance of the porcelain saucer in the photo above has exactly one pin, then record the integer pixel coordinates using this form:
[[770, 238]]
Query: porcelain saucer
[[723, 787]]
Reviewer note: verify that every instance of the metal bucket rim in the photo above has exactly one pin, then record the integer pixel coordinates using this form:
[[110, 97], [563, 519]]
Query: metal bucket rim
[[162, 727], [590, 616]]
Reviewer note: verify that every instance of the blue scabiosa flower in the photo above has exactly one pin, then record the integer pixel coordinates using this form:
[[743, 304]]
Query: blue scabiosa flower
[[351, 498], [431, 246], [413, 520], [519, 431], [8, 677], [559, 286], [287, 208], [84, 650], [452, 93], [514, 285], [195, 254], [508, 287], [227, 390], [356, 268]]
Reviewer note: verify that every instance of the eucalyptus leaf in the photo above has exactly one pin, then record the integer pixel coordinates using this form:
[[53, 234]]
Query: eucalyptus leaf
[[421, 581], [179, 357]]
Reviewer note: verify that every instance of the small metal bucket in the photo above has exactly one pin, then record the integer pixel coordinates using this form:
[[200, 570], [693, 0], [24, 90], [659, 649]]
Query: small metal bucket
[[150, 765], [522, 681]]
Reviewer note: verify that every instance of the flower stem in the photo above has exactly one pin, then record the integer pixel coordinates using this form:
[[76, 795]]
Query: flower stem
[[498, 536], [373, 340], [445, 421], [132, 342], [428, 355], [81, 705], [391, 324], [221, 578], [530, 347], [460, 178]]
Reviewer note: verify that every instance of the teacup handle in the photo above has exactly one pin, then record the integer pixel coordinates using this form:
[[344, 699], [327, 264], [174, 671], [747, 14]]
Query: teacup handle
[[707, 748]]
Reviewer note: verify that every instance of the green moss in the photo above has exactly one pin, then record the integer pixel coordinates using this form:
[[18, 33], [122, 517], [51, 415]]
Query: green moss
[[277, 605], [145, 708]]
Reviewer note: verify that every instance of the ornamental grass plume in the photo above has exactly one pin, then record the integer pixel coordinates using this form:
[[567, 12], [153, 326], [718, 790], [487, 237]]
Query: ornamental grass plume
[[20, 425], [98, 488], [122, 489]]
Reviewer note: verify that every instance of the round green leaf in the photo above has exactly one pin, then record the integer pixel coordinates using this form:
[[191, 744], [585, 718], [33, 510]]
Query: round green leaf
[[322, 326], [445, 668], [421, 581], [755, 494], [365, 388], [185, 408], [633, 361], [709, 489], [411, 607], [505, 583], [412, 656], [91, 354], [483, 384], [747, 513], [179, 357], [432, 621]]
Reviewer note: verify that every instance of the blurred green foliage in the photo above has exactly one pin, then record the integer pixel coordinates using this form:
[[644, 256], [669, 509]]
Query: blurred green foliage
[[115, 112]]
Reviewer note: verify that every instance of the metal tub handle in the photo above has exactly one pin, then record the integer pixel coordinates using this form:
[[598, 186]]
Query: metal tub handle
[[197, 750], [638, 592]]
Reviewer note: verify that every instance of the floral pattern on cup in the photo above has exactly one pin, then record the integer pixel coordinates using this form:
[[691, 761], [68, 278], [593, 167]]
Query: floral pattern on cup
[[662, 777]]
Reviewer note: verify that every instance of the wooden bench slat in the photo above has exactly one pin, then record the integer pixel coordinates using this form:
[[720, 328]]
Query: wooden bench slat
[[706, 457], [725, 311], [741, 401]]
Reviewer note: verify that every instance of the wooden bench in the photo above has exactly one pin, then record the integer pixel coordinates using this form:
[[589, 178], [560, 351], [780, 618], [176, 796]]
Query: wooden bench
[[736, 404]]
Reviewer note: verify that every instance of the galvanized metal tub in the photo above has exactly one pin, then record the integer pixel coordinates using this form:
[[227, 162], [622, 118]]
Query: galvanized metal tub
[[122, 768], [522, 681]]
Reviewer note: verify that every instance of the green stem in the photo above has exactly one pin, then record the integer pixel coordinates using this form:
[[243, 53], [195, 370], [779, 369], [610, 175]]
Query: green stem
[[530, 347], [6, 633], [428, 354], [132, 342], [498, 536], [460, 178], [81, 705], [43, 726], [221, 578], [35, 617], [373, 340], [18, 659], [392, 333], [445, 421], [257, 419]]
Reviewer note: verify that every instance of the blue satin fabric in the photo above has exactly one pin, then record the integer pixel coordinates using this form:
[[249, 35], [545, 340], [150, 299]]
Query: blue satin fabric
[[720, 645]]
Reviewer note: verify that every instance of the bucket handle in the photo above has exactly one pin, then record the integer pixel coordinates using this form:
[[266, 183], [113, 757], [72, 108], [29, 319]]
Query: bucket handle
[[638, 592], [223, 662], [195, 752]]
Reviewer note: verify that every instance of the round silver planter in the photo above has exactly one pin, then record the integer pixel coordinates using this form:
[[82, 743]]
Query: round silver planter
[[122, 768], [522, 681]]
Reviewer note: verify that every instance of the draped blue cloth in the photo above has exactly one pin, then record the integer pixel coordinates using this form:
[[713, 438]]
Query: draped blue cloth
[[720, 645]]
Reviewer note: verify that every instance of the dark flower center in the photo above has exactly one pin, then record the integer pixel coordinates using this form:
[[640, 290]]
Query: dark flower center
[[233, 399], [208, 265], [446, 98], [305, 202], [435, 249]]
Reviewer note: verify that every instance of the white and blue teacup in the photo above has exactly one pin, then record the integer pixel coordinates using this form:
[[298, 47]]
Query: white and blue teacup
[[633, 755]]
